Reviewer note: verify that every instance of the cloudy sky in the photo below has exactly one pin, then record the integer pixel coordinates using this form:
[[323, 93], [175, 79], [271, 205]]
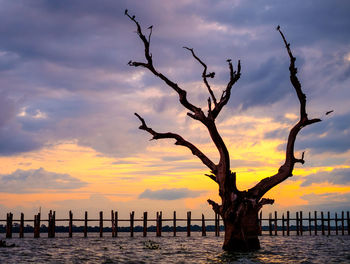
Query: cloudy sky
[[69, 139]]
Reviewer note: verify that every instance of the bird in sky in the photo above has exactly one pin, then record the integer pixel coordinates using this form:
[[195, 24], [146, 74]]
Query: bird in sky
[[328, 112]]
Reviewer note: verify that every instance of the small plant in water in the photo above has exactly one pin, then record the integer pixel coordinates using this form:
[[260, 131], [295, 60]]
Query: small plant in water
[[151, 245]]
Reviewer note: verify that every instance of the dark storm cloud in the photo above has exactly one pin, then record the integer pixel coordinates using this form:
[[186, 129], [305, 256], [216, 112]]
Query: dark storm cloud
[[265, 84], [336, 176], [68, 60], [331, 135], [328, 201], [13, 139], [169, 194], [40, 180]]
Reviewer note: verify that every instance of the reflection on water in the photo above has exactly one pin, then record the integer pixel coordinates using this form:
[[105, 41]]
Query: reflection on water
[[167, 249]]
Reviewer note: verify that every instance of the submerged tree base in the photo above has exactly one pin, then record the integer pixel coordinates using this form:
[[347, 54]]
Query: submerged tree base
[[234, 245]]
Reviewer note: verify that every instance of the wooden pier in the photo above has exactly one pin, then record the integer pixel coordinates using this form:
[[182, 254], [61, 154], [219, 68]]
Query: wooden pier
[[316, 223]]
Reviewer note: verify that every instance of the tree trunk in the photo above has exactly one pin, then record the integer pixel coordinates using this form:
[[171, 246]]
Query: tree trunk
[[239, 209], [241, 228]]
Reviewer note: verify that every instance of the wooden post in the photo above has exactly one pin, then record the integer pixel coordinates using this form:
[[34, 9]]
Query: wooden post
[[112, 223], [49, 229], [54, 223], [275, 223], [49, 224], [160, 223], [315, 223], [116, 223], [204, 232], [39, 218], [174, 223], [342, 223], [310, 223], [297, 220], [144, 224], [9, 219], [21, 226], [189, 224], [301, 223], [157, 225], [322, 223], [283, 224], [101, 223], [85, 224], [336, 223], [260, 223], [329, 223], [37, 225], [348, 221], [132, 214], [270, 224], [216, 225], [218, 219], [287, 223], [70, 224]]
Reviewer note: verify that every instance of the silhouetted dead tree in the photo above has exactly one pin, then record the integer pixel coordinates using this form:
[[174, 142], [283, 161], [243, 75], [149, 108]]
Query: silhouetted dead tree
[[238, 209]]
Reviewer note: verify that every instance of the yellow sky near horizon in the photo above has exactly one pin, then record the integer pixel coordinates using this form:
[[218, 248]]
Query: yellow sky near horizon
[[122, 180]]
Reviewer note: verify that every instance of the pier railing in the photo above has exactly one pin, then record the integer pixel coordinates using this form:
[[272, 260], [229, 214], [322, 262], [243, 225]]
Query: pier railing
[[314, 224]]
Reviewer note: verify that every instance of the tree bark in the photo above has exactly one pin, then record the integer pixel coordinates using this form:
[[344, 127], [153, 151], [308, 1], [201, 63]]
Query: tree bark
[[239, 209]]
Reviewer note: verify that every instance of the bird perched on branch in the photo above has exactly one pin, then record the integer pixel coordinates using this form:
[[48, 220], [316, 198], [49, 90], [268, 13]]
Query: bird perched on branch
[[126, 12], [278, 27], [210, 75], [150, 27]]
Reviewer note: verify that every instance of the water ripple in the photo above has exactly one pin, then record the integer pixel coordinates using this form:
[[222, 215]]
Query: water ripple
[[181, 249]]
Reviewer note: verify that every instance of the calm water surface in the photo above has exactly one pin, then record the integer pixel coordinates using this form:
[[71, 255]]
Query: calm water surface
[[167, 249]]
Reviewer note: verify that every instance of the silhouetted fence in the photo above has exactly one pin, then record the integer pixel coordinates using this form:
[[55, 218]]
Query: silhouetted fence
[[114, 221], [313, 224]]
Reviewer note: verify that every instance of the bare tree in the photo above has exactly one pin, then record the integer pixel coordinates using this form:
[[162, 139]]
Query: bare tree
[[238, 209]]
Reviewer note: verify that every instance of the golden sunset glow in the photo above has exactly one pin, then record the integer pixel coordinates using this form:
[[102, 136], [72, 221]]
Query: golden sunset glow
[[69, 139]]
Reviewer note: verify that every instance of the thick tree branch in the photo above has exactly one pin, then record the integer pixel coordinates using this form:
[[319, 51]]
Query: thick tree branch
[[205, 75], [216, 207], [197, 112], [286, 169], [179, 141], [223, 167], [265, 201], [212, 176]]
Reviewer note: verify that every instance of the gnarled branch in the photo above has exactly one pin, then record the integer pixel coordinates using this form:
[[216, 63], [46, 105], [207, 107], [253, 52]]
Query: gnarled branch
[[197, 112], [265, 201], [286, 169], [212, 176], [234, 76], [179, 141], [204, 76], [216, 207]]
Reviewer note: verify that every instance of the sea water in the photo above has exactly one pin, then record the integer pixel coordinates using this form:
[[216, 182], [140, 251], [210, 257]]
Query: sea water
[[168, 249]]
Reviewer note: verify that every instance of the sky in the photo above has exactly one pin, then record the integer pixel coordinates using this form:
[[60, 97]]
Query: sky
[[69, 139]]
